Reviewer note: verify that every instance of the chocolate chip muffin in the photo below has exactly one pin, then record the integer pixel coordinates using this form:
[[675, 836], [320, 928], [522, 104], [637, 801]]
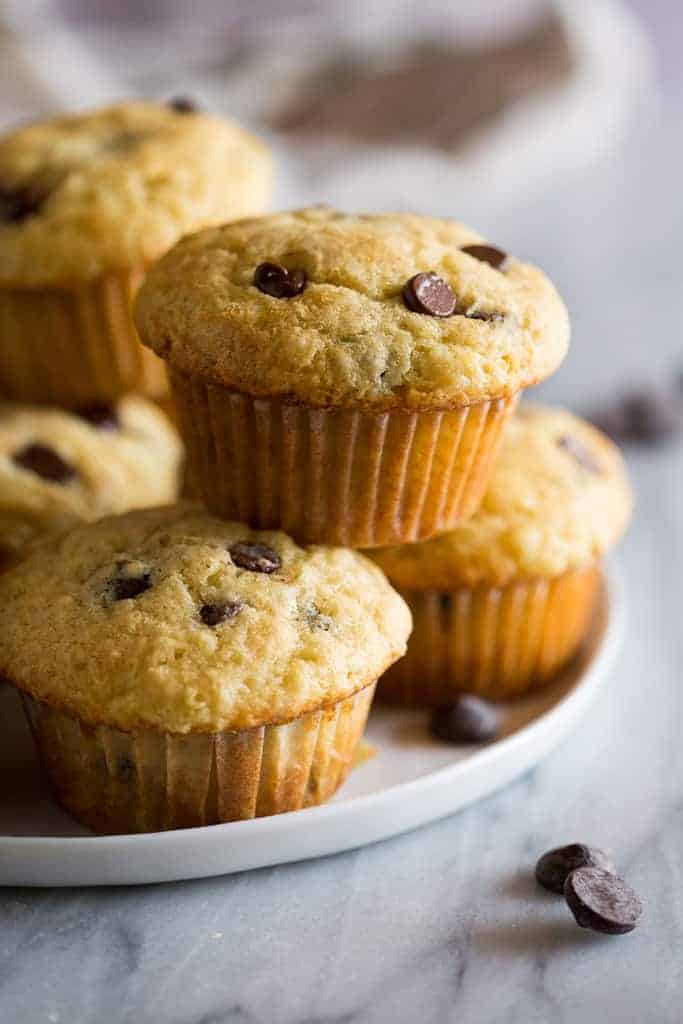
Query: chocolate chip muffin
[[86, 203], [58, 468], [343, 377], [502, 602], [192, 670]]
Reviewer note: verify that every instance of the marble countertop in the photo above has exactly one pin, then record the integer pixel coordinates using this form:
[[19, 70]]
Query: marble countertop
[[445, 924]]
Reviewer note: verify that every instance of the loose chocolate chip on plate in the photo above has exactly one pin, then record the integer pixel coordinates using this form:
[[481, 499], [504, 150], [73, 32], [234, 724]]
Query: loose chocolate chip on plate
[[183, 105], [429, 294], [602, 901], [580, 453], [18, 204], [100, 415], [554, 866], [279, 282], [467, 720], [495, 258], [124, 588], [45, 462], [215, 614], [255, 557]]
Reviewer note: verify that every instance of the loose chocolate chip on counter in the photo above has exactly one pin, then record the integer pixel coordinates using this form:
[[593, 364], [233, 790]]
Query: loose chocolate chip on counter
[[100, 415], [124, 588], [278, 282], [641, 417], [429, 294], [468, 720], [554, 866], [255, 557], [580, 453], [183, 105], [215, 614], [18, 204], [495, 258], [45, 462], [602, 901]]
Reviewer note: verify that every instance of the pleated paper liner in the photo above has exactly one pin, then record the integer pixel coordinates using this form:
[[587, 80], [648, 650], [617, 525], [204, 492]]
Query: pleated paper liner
[[70, 347], [496, 642], [117, 782], [330, 476]]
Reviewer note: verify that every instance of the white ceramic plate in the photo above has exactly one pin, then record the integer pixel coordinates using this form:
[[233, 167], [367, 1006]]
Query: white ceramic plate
[[410, 781]]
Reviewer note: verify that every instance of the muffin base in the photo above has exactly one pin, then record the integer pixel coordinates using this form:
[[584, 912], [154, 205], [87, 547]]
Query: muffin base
[[353, 478], [117, 782], [496, 642], [70, 347]]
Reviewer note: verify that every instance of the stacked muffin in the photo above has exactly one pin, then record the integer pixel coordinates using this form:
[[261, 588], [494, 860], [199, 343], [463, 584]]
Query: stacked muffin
[[339, 380]]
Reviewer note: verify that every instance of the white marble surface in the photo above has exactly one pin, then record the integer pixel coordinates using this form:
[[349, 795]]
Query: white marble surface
[[445, 924]]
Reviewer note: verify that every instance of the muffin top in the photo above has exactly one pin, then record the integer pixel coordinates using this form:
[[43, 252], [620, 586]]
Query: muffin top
[[558, 498], [170, 619], [386, 311], [57, 468], [114, 188]]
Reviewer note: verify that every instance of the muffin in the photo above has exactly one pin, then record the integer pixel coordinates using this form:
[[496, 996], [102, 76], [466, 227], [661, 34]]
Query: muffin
[[58, 468], [347, 378], [502, 602], [86, 203], [194, 671]]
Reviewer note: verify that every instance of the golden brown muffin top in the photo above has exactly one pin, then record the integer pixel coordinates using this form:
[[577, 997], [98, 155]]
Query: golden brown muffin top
[[328, 308], [111, 189], [170, 619]]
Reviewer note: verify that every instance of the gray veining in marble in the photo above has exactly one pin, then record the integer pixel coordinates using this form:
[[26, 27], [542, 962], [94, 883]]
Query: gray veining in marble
[[445, 924]]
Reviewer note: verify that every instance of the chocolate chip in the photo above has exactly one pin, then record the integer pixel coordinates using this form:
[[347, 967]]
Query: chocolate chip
[[495, 258], [255, 557], [602, 901], [215, 614], [468, 720], [580, 453], [481, 314], [430, 294], [183, 105], [100, 415], [125, 769], [641, 417], [17, 204], [124, 588], [278, 282], [45, 462], [554, 866]]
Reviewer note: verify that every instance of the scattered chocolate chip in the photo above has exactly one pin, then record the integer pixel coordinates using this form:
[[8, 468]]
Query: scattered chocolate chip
[[45, 462], [278, 282], [215, 614], [17, 204], [495, 258], [124, 588], [125, 769], [101, 415], [554, 866], [430, 294], [468, 720], [602, 901], [183, 105], [255, 557], [580, 453], [641, 417]]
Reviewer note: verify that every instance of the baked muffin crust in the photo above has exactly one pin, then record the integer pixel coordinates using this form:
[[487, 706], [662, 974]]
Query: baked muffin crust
[[117, 623], [335, 328], [114, 188]]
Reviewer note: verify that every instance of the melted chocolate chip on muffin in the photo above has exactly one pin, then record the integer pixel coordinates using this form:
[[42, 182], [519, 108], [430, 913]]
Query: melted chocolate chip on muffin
[[45, 462]]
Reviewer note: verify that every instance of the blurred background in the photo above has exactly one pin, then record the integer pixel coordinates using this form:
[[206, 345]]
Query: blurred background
[[553, 127]]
